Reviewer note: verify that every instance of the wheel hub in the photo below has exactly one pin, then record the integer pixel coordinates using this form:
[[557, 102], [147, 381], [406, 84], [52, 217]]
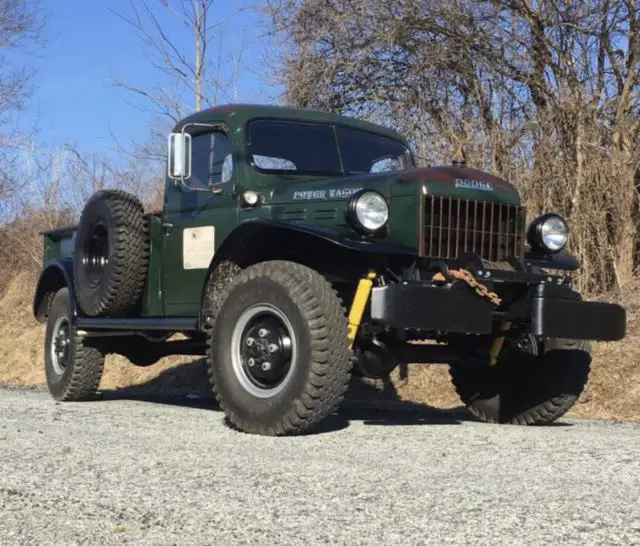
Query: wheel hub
[[263, 350], [266, 351], [60, 345], [96, 254]]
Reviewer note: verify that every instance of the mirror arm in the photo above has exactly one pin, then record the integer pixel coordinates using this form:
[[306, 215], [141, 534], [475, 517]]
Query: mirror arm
[[186, 151]]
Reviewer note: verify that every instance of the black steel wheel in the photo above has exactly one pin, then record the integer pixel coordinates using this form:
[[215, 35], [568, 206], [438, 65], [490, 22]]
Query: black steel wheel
[[60, 344], [279, 357], [73, 369], [263, 352], [534, 382], [95, 255]]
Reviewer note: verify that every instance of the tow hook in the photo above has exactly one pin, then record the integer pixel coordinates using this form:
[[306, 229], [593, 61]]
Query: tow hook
[[441, 271]]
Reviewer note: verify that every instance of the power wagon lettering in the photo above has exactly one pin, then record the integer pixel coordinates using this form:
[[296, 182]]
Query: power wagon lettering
[[338, 193]]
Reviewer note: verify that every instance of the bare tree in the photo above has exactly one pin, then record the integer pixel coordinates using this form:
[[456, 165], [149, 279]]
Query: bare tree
[[21, 34], [545, 94], [202, 73], [194, 68], [21, 28]]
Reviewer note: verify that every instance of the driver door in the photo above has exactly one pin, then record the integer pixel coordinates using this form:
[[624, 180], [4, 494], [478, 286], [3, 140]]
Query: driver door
[[196, 221]]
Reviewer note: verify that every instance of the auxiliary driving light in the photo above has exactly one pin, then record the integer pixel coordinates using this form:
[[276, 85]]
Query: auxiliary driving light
[[548, 233]]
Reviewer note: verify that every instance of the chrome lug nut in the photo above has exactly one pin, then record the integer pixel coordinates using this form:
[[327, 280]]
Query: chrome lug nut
[[251, 362], [266, 366], [273, 348], [262, 332], [250, 341]]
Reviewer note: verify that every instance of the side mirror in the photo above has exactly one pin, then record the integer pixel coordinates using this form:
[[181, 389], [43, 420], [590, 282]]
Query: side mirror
[[179, 156]]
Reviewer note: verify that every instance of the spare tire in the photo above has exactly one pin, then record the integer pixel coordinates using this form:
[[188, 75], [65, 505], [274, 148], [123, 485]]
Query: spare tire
[[111, 254]]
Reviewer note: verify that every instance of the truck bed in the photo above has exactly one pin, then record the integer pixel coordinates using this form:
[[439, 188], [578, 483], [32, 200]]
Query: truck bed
[[58, 242]]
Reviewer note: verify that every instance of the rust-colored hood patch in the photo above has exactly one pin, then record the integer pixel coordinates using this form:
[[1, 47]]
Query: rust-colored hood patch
[[461, 177]]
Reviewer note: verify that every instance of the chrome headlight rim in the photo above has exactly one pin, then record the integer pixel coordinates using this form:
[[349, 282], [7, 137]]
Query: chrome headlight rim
[[539, 241], [354, 213]]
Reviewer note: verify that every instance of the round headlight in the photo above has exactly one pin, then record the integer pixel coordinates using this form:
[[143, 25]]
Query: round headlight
[[548, 233], [368, 211]]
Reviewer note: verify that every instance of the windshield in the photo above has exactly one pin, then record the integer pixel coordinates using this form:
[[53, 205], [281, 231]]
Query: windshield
[[323, 149]]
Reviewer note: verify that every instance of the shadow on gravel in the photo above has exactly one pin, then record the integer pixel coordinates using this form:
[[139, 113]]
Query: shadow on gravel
[[186, 385], [182, 385], [383, 406]]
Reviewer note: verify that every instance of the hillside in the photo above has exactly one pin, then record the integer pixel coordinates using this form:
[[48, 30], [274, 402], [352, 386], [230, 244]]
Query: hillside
[[613, 391]]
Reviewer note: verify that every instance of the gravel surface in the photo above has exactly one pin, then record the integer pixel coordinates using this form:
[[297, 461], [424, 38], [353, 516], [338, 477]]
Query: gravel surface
[[120, 471]]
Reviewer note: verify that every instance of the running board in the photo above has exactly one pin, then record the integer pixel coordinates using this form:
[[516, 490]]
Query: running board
[[142, 324]]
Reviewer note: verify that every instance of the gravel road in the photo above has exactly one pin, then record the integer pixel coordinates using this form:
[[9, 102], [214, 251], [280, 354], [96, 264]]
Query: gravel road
[[120, 471]]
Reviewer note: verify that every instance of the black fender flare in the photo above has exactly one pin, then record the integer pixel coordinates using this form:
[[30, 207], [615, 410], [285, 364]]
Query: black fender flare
[[56, 274], [270, 226], [248, 244]]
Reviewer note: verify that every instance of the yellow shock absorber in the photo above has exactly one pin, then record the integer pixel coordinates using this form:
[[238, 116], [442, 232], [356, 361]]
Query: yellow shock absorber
[[498, 341], [359, 303]]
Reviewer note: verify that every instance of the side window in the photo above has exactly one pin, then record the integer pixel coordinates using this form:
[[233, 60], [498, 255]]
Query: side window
[[200, 147], [221, 159], [211, 160], [227, 168]]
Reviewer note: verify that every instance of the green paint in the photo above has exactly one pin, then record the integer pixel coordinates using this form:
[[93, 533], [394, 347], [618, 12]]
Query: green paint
[[152, 299], [58, 243], [319, 200], [509, 197]]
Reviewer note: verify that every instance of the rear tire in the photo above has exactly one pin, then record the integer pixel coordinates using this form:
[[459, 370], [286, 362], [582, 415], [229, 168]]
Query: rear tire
[[534, 385], [73, 369], [111, 254], [279, 357]]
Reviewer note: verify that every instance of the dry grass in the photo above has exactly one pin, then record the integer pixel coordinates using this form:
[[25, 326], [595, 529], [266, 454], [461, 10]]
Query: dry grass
[[613, 391], [22, 344]]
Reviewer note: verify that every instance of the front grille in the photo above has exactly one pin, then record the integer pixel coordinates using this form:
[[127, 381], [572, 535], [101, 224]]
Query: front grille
[[494, 231]]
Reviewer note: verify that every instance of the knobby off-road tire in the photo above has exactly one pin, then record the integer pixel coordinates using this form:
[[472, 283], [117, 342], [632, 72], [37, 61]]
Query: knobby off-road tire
[[533, 383], [73, 369], [215, 292], [111, 254], [291, 307]]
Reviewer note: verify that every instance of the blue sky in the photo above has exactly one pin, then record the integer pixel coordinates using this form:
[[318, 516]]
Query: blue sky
[[87, 45]]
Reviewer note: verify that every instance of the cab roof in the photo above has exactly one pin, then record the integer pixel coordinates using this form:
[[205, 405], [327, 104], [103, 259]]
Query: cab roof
[[237, 115]]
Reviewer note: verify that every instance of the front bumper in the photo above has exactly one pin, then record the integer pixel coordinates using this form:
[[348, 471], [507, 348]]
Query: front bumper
[[543, 310]]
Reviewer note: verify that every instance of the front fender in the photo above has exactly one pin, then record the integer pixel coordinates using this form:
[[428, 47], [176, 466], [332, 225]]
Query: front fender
[[351, 242], [319, 247], [322, 248], [56, 274]]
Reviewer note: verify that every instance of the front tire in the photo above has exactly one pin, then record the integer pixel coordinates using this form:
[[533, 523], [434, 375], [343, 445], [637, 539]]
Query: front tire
[[72, 368], [534, 382], [279, 357]]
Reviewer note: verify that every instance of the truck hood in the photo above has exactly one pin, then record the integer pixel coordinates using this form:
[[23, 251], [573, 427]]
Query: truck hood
[[453, 181]]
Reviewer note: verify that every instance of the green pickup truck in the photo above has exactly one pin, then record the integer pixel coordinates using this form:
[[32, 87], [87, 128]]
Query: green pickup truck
[[295, 248]]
